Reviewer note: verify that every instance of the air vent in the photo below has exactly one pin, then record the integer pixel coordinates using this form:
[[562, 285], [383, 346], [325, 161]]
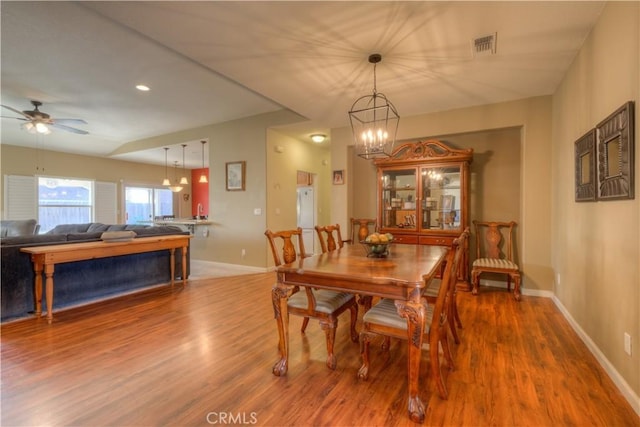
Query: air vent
[[484, 45]]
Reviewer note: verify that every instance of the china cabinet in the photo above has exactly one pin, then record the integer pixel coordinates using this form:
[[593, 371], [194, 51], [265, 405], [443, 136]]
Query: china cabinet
[[423, 190]]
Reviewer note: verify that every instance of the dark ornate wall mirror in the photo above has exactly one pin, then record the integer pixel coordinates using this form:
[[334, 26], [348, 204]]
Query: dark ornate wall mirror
[[615, 154], [586, 167]]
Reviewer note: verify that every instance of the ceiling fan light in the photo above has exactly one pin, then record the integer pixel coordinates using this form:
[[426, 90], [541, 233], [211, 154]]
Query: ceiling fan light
[[175, 188], [29, 127], [42, 128]]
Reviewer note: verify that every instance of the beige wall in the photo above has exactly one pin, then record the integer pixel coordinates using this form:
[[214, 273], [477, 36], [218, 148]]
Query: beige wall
[[532, 118], [27, 161], [283, 165], [494, 182], [236, 226], [596, 245]]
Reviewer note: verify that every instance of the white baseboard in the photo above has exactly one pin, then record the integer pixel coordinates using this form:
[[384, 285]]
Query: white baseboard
[[231, 267], [523, 290], [618, 380]]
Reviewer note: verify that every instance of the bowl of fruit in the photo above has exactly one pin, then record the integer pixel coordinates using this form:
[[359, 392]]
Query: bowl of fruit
[[377, 244]]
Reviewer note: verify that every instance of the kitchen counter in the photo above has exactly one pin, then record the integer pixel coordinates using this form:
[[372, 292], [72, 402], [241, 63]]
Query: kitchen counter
[[188, 223]]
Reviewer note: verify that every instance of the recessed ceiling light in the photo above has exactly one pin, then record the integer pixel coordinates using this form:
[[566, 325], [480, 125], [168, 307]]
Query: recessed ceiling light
[[142, 88], [318, 138]]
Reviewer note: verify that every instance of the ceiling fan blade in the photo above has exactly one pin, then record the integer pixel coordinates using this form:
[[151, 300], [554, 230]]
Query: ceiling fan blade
[[69, 121], [17, 118], [69, 129], [16, 111]]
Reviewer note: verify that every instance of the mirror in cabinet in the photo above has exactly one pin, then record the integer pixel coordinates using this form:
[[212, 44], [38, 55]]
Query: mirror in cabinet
[[399, 204], [441, 198]]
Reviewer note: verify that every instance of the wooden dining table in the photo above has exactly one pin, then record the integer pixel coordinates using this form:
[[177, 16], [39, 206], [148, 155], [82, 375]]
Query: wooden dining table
[[401, 276]]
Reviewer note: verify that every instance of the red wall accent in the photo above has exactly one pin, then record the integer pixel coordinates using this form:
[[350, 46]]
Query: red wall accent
[[200, 192]]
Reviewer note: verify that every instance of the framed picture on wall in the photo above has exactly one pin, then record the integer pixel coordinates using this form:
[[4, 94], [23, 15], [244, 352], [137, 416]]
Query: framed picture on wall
[[585, 167], [338, 177], [235, 176]]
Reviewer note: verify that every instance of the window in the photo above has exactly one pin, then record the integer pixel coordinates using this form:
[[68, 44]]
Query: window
[[64, 201], [145, 203]]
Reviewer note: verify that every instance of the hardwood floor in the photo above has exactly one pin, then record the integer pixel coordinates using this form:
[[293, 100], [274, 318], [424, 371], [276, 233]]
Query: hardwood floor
[[202, 355]]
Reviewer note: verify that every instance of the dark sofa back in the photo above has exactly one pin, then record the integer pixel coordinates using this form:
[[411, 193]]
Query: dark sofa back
[[83, 281], [22, 227]]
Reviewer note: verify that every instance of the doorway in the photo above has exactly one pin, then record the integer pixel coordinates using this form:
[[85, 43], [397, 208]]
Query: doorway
[[306, 200]]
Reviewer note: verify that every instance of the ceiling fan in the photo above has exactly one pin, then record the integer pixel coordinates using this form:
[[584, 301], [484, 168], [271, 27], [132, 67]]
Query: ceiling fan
[[37, 121]]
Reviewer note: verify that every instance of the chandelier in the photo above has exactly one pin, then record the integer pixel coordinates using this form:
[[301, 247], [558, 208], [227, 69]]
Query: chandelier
[[374, 121]]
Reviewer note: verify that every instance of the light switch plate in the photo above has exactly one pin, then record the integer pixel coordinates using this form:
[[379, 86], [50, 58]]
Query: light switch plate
[[627, 343]]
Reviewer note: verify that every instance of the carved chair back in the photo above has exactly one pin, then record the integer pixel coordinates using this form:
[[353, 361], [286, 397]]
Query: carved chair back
[[324, 305], [490, 242], [361, 228], [494, 254], [333, 237], [284, 240]]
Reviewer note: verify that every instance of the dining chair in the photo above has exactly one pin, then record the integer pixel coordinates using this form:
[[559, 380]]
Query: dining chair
[[433, 289], [494, 254], [332, 241], [321, 304], [361, 228], [384, 319]]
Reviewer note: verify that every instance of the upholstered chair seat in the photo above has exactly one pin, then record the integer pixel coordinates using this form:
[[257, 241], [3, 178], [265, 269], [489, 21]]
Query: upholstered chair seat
[[495, 254], [431, 294], [326, 301], [385, 313], [503, 264], [320, 304], [384, 319]]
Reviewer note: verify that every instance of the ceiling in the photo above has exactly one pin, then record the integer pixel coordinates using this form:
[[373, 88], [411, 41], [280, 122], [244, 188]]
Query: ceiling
[[209, 62]]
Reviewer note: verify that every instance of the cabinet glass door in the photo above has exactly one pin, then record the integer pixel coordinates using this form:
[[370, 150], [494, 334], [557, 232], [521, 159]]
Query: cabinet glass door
[[399, 199], [441, 199]]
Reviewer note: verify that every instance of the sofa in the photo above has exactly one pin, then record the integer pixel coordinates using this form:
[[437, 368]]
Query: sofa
[[18, 227], [82, 282]]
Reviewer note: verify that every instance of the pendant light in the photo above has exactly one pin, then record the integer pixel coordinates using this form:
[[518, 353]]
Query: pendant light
[[183, 180], [203, 178], [374, 121], [176, 188], [166, 181]]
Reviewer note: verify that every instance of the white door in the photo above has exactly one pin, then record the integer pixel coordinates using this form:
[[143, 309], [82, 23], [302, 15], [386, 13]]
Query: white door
[[306, 217]]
